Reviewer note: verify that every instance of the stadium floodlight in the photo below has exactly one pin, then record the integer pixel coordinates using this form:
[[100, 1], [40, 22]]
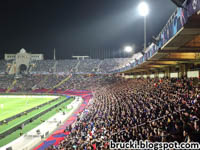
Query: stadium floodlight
[[128, 49], [143, 9]]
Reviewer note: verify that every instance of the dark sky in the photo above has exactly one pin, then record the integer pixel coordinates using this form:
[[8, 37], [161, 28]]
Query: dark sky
[[99, 28]]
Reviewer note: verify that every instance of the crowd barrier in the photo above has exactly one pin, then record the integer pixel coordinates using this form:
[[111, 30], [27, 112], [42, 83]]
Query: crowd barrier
[[21, 124], [32, 138]]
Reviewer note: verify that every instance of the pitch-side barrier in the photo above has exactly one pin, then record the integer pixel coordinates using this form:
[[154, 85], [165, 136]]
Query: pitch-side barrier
[[41, 132]]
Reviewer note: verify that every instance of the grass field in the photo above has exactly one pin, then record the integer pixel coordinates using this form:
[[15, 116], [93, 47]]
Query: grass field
[[36, 122], [12, 105]]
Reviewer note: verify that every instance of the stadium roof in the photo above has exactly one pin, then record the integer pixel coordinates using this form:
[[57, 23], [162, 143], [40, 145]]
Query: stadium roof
[[183, 48]]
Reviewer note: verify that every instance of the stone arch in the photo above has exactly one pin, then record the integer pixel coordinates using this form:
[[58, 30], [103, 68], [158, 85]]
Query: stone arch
[[23, 68]]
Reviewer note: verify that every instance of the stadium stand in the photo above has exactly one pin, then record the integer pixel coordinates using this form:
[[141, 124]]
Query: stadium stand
[[141, 109], [88, 65], [2, 66], [70, 65], [65, 65], [166, 109], [43, 66], [32, 80], [6, 81]]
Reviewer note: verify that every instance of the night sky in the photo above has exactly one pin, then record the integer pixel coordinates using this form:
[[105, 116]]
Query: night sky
[[98, 28]]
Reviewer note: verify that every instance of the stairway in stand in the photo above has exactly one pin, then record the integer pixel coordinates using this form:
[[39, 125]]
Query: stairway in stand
[[11, 87], [61, 82]]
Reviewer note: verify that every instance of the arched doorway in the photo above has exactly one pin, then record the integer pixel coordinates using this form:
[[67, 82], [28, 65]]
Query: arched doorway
[[22, 68]]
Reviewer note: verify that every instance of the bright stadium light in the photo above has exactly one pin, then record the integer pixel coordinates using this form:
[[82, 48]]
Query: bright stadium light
[[143, 9], [128, 49]]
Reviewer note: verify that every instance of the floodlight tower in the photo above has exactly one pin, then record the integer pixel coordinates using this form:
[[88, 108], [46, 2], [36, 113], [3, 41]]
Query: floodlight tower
[[143, 10]]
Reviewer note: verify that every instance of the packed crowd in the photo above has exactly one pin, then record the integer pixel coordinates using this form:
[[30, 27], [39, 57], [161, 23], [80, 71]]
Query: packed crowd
[[141, 109], [65, 65], [112, 64], [138, 109], [6, 81], [26, 83], [43, 66], [71, 65], [86, 82], [4, 65], [88, 65], [31, 82]]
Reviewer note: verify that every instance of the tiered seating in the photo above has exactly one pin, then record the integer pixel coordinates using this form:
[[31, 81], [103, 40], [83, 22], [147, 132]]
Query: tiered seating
[[43, 66], [6, 81], [141, 109], [3, 66], [79, 66], [88, 65], [65, 65]]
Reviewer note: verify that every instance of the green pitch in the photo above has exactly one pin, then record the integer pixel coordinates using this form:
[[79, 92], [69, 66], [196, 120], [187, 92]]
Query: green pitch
[[12, 105], [35, 123]]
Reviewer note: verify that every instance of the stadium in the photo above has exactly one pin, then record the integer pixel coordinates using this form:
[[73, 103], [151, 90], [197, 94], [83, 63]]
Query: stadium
[[95, 103]]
